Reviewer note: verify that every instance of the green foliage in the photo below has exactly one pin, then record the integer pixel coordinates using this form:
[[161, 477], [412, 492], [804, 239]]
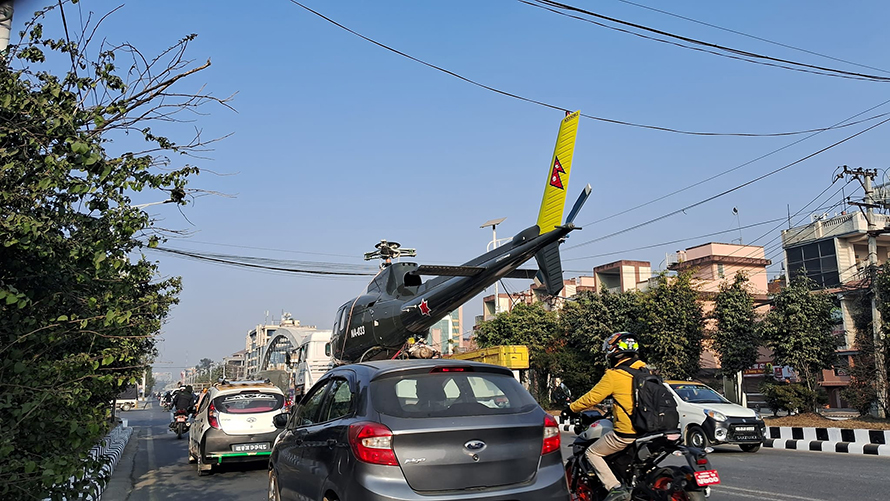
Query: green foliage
[[792, 397], [862, 393], [79, 304], [671, 326], [737, 337], [798, 329]]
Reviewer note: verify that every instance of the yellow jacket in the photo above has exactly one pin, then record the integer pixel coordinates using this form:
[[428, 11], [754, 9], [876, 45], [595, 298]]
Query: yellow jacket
[[619, 385]]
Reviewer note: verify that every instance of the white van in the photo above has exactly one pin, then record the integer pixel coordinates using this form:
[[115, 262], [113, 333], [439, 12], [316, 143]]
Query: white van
[[707, 418]]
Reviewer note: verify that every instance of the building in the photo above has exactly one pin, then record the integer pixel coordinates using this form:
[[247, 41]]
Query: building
[[271, 346], [535, 294], [445, 335], [234, 366], [833, 252], [621, 276]]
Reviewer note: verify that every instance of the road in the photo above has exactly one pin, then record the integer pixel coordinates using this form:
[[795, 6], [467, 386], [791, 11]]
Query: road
[[155, 467]]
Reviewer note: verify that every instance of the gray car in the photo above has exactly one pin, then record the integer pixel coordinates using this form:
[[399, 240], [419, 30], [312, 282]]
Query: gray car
[[416, 430]]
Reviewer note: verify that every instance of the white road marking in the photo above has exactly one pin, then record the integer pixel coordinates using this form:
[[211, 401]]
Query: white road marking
[[762, 494]]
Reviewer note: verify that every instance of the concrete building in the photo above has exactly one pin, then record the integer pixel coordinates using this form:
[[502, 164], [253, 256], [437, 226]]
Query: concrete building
[[833, 252], [445, 335], [235, 366], [713, 264], [621, 276], [535, 294], [271, 346]]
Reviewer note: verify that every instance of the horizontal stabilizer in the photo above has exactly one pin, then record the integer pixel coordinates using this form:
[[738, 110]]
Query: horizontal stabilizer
[[551, 268], [449, 271], [526, 274]]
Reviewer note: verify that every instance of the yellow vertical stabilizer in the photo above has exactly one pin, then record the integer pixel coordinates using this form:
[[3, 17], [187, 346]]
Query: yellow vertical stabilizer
[[554, 200]]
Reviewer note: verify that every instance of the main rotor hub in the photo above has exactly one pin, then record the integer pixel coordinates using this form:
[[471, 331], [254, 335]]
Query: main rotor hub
[[387, 251]]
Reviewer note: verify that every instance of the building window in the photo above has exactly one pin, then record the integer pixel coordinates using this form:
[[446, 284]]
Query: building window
[[818, 260], [720, 272]]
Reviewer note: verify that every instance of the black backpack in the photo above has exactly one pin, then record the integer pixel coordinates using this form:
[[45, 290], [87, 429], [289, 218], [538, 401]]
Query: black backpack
[[654, 408]]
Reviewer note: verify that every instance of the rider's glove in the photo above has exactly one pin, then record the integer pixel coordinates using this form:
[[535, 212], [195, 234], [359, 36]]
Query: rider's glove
[[567, 412]]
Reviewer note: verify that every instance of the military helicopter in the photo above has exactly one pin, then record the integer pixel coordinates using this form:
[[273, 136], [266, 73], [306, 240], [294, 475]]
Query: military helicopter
[[398, 306]]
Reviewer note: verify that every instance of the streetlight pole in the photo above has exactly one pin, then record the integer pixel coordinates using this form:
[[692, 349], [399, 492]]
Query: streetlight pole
[[494, 245]]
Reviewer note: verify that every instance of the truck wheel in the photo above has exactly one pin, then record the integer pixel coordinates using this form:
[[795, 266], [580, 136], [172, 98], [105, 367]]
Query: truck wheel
[[126, 407]]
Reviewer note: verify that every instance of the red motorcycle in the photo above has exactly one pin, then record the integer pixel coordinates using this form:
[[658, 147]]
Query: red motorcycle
[[638, 466]]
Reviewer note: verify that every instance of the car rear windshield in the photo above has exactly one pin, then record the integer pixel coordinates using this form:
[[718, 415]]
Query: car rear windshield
[[443, 394], [248, 402], [698, 394]]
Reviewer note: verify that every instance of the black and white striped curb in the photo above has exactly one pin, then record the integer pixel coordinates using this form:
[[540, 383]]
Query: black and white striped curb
[[873, 442], [110, 450]]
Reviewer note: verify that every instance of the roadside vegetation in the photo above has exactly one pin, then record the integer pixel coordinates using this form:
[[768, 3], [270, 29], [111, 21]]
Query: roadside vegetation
[[80, 305]]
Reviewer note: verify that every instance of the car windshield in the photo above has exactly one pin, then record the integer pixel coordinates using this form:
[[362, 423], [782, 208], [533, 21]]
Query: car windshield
[[248, 402], [444, 394], [698, 394]]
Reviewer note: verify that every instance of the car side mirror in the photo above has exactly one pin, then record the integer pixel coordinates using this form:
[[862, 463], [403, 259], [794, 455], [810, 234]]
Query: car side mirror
[[280, 420]]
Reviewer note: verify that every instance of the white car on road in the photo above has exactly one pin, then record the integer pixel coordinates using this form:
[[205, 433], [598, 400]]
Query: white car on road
[[707, 418]]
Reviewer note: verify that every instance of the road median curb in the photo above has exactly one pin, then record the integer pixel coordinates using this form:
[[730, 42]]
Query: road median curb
[[843, 440]]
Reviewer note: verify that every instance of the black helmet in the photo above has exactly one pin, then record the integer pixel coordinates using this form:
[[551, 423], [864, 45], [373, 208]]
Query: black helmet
[[619, 345]]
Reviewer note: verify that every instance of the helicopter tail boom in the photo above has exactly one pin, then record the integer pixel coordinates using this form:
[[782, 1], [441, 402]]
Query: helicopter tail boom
[[553, 203]]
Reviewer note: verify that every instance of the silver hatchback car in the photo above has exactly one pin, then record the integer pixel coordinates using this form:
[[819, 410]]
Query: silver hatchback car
[[416, 430]]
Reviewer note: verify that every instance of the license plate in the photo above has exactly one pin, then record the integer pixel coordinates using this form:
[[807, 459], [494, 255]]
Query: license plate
[[747, 437], [707, 477], [262, 446], [744, 428]]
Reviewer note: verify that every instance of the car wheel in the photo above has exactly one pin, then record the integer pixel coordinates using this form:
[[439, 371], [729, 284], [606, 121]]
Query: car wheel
[[203, 468], [330, 497], [750, 447], [126, 407], [274, 493], [696, 437]]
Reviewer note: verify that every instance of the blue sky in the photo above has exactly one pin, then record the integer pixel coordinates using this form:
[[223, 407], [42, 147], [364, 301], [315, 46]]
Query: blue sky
[[338, 143]]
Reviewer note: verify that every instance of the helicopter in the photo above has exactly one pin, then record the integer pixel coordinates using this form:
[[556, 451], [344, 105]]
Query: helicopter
[[399, 307]]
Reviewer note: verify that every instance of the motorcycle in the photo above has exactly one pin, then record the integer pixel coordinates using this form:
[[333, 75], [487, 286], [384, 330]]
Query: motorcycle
[[180, 423], [639, 465]]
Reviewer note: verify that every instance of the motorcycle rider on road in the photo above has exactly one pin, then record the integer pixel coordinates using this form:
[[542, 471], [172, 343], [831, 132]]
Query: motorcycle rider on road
[[183, 401], [620, 349]]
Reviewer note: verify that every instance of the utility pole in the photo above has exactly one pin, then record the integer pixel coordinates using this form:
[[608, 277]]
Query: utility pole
[[5, 25], [865, 177], [494, 245]]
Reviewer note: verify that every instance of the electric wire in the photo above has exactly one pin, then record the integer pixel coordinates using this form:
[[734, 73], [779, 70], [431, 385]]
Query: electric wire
[[661, 244], [273, 265], [552, 106], [730, 190], [754, 37], [712, 48], [745, 164]]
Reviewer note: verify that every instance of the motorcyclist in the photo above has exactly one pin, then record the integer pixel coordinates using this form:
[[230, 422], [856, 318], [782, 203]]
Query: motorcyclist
[[621, 350], [183, 401]]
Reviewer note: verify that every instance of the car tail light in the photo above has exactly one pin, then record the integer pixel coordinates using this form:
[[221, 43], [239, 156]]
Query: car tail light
[[452, 369], [212, 417], [551, 435], [372, 443]]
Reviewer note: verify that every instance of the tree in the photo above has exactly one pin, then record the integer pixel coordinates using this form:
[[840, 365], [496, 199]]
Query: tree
[[798, 329], [587, 321], [79, 304], [529, 325], [737, 338], [671, 326], [862, 393]]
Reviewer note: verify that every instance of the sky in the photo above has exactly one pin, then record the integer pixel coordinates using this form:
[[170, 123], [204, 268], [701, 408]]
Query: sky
[[336, 142]]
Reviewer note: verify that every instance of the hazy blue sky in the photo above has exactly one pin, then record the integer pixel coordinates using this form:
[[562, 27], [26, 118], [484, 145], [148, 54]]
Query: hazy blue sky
[[338, 143]]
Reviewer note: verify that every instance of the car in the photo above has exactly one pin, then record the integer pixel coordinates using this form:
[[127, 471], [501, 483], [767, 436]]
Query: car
[[707, 418], [234, 423], [417, 430]]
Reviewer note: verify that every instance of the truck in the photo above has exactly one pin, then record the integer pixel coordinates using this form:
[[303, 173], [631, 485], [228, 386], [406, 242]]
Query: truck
[[128, 399]]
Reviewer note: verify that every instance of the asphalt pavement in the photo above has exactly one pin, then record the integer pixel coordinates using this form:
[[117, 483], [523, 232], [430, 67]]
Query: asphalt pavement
[[155, 466]]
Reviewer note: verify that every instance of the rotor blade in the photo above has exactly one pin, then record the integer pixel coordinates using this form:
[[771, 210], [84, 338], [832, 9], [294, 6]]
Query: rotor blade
[[526, 274], [578, 204], [448, 271]]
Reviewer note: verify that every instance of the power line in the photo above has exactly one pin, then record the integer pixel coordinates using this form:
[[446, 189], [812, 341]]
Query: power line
[[754, 37], [706, 235], [548, 105], [761, 157], [241, 261], [741, 55], [736, 188], [290, 251]]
